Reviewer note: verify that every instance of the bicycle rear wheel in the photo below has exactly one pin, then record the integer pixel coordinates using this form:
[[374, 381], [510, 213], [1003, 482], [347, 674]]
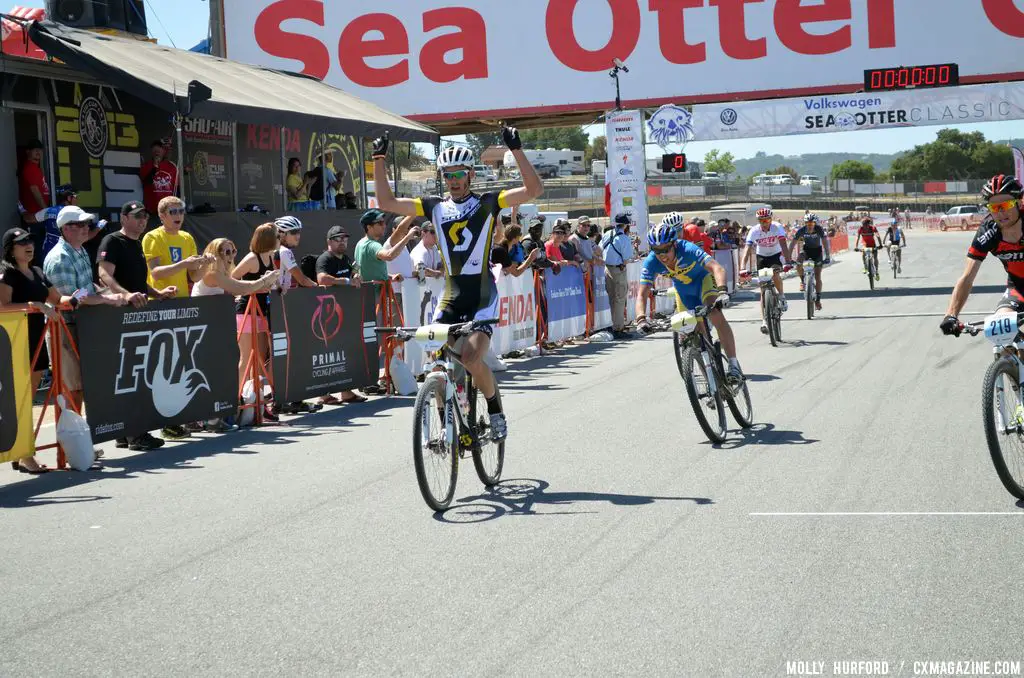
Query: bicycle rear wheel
[[488, 456], [871, 272], [1003, 414], [768, 314], [707, 406], [777, 319], [435, 444]]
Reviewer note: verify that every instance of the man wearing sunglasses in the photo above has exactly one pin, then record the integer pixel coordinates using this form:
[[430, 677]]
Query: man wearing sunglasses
[[171, 253], [467, 226], [1000, 235]]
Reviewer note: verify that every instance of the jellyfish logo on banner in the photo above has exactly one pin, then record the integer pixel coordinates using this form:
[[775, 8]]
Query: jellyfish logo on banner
[[670, 125]]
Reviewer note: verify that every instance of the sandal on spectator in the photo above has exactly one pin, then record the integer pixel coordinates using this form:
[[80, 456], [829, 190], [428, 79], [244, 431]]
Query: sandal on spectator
[[330, 399], [39, 470], [356, 398]]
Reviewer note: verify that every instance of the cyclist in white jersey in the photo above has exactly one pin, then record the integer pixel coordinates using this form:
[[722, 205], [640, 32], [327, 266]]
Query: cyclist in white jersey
[[768, 241], [467, 226]]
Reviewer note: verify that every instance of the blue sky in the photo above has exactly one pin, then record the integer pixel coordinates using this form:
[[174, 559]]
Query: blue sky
[[184, 22]]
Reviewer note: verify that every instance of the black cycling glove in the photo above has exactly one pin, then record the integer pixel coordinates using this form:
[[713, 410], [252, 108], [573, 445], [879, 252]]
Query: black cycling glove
[[380, 146], [510, 135], [950, 325]]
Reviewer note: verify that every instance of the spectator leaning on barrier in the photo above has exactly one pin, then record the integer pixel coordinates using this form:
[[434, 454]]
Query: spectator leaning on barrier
[[67, 266], [618, 250], [370, 255], [33, 191], [554, 247], [333, 267], [581, 240], [21, 282], [533, 241], [500, 254], [171, 253], [515, 253], [426, 258], [123, 270], [254, 266], [159, 176]]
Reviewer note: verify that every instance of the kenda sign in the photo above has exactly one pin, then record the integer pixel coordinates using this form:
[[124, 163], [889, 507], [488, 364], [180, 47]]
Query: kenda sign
[[436, 59]]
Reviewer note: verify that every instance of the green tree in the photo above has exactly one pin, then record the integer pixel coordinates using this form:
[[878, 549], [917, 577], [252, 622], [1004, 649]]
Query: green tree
[[854, 169], [722, 164], [573, 138], [953, 155], [785, 169], [479, 142], [596, 150]]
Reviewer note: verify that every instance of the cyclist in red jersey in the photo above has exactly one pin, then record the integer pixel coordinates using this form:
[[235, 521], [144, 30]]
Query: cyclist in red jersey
[[1002, 236], [869, 233]]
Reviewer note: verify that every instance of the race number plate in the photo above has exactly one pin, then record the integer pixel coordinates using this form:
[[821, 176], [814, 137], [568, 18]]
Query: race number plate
[[764, 275], [684, 323], [1001, 329], [432, 337]]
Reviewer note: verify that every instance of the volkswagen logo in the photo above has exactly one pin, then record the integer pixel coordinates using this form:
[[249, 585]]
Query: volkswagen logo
[[729, 117]]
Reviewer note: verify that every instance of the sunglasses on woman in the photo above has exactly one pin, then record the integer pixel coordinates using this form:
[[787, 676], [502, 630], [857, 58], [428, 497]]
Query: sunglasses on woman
[[229, 253], [1000, 207], [457, 174], [175, 211]]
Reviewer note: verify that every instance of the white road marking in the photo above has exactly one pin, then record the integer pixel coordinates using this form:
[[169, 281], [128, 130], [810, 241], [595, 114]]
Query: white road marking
[[885, 513]]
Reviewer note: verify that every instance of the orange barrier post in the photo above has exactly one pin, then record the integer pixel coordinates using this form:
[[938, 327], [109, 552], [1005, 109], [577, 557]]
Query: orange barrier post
[[54, 328], [588, 286], [255, 367], [538, 295], [392, 316]]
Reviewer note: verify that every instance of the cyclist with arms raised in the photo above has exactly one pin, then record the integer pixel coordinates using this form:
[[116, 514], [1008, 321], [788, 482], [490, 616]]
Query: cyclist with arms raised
[[815, 247], [698, 280], [869, 233], [768, 242], [1000, 235], [894, 236], [467, 227]]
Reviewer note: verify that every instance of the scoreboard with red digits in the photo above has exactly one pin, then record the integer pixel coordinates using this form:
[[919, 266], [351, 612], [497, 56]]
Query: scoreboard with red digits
[[673, 162], [911, 77]]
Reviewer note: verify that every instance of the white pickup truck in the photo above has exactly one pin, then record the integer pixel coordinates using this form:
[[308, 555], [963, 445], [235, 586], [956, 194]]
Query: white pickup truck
[[963, 217]]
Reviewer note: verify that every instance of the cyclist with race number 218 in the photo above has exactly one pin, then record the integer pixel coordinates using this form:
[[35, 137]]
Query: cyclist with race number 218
[[1000, 235], [467, 227]]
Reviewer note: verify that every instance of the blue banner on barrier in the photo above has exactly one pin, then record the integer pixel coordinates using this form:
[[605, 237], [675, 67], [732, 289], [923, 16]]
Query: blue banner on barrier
[[602, 306], [567, 303]]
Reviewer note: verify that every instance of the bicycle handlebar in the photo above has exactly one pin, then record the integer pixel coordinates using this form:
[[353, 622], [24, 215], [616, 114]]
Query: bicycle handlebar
[[454, 330]]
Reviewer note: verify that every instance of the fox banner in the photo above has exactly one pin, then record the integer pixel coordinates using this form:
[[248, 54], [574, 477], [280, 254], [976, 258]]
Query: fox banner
[[170, 363], [517, 309], [325, 341], [567, 303], [16, 435]]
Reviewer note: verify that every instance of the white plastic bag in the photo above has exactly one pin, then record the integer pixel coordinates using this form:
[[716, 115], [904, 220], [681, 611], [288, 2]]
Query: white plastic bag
[[402, 377], [248, 415], [73, 435], [494, 362]]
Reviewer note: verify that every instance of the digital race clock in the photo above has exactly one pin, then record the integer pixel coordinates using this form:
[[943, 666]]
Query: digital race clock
[[673, 162], [911, 77]]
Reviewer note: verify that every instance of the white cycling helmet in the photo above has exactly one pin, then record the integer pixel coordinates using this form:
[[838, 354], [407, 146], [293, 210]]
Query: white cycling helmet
[[288, 225], [455, 156], [673, 220]]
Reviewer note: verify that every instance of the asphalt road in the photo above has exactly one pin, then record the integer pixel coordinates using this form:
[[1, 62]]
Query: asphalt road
[[622, 542]]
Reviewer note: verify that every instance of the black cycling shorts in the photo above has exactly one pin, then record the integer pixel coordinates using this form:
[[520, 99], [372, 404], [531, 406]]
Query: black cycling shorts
[[817, 255], [1013, 300], [769, 261]]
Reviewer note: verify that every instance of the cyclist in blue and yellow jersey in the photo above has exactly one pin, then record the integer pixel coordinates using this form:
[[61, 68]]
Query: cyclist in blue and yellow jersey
[[698, 280], [467, 226]]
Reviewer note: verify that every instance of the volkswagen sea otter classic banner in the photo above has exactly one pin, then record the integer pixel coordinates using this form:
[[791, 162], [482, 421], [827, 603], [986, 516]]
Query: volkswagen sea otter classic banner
[[325, 341], [172, 362]]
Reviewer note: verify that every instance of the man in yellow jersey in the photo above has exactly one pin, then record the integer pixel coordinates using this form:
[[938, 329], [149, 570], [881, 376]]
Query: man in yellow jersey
[[171, 253], [467, 227]]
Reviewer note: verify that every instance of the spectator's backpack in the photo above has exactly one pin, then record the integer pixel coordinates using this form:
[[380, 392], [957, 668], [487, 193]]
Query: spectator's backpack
[[308, 266], [316, 191]]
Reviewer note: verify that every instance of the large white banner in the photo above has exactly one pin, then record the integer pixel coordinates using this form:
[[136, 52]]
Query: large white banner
[[439, 60], [819, 114], [1018, 163], [627, 168], [419, 300], [517, 309]]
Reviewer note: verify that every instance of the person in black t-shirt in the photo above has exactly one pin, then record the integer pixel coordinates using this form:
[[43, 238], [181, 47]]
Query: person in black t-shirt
[[122, 263], [333, 267]]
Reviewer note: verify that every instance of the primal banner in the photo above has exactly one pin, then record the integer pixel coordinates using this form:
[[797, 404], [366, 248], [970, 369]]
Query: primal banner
[[627, 168], [439, 60], [854, 112], [325, 341], [17, 439], [567, 303], [172, 362]]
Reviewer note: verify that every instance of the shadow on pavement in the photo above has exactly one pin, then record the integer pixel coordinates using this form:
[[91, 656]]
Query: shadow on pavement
[[179, 455], [762, 434], [761, 377], [803, 342], [904, 292], [521, 496], [565, 360]]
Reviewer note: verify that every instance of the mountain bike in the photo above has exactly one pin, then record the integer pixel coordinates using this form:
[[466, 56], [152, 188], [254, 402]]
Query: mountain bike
[[869, 263], [771, 303], [1002, 397], [450, 418], [895, 258], [702, 367], [810, 287]]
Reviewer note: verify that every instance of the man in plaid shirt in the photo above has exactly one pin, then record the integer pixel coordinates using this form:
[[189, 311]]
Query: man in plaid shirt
[[68, 267]]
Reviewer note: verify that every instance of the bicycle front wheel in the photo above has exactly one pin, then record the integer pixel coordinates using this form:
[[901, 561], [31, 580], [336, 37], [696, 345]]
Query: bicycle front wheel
[[741, 406], [488, 456], [809, 291], [435, 444], [768, 314], [1004, 423], [871, 272], [707, 404], [679, 348]]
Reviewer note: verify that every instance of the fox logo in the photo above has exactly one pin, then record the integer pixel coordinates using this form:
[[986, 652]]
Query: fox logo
[[165, 360]]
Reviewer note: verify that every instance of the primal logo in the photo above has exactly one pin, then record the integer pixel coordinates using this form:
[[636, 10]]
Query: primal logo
[[165, 361], [326, 320]]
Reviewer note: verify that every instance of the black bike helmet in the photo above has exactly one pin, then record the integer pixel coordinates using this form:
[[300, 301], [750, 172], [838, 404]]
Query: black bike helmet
[[1002, 184]]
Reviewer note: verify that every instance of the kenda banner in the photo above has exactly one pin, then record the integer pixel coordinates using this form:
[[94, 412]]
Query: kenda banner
[[445, 59], [627, 168], [517, 309], [567, 303], [852, 112], [171, 362], [325, 340]]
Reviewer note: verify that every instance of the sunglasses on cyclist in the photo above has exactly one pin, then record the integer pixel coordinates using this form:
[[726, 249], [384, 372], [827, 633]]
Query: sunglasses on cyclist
[[999, 207], [663, 249], [457, 174]]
